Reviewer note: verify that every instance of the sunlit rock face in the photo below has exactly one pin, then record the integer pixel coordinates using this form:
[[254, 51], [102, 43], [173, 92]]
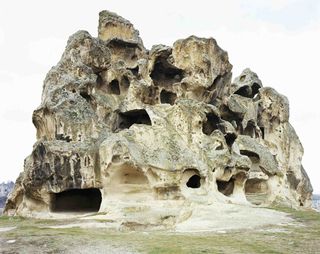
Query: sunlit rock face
[[124, 129]]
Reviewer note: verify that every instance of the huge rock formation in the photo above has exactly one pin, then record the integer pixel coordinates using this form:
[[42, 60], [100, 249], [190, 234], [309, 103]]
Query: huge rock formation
[[121, 128]]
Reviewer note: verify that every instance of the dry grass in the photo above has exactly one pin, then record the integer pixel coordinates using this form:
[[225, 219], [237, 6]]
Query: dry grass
[[34, 236]]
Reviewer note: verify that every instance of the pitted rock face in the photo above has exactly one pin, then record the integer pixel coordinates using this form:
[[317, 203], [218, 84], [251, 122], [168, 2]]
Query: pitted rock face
[[123, 127]]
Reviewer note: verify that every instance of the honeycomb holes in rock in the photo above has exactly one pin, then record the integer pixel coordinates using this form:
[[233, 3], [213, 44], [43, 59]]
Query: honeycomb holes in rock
[[232, 117], [255, 159], [247, 91], [63, 137], [226, 187], [102, 110], [86, 96], [210, 124], [194, 182], [127, 180], [167, 97], [191, 179], [230, 138], [135, 71], [76, 200], [127, 119], [262, 132], [114, 87], [250, 129], [254, 131], [164, 75], [129, 175]]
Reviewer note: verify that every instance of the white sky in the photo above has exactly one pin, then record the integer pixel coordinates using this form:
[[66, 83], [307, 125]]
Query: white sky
[[278, 39]]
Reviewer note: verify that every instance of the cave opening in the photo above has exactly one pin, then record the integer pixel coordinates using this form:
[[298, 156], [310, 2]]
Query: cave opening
[[250, 129], [255, 89], [194, 182], [230, 138], [244, 91], [234, 118], [138, 116], [129, 183], [254, 157], [262, 132], [114, 87], [63, 137], [86, 96], [256, 191], [167, 97], [135, 71], [247, 91], [255, 160], [124, 50], [226, 187], [165, 74], [210, 124], [242, 78], [256, 186], [76, 200]]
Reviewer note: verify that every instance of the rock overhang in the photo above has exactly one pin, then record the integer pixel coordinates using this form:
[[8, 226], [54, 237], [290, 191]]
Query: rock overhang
[[165, 124]]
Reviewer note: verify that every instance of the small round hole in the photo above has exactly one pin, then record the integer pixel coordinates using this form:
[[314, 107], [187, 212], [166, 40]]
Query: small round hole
[[194, 182]]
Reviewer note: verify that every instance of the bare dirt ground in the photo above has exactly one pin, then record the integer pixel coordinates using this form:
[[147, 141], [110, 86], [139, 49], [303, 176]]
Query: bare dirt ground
[[19, 235]]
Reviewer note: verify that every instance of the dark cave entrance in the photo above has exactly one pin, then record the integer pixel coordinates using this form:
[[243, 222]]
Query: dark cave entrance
[[250, 130], [138, 116], [256, 191], [76, 200], [194, 182], [247, 91], [211, 123], [168, 97], [244, 91], [86, 96], [226, 187], [165, 74], [114, 87]]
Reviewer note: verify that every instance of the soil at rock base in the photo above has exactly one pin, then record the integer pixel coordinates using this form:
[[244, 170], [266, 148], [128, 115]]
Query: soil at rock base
[[18, 235]]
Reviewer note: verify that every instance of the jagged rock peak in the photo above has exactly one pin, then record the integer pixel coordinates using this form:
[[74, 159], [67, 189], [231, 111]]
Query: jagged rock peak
[[113, 27]]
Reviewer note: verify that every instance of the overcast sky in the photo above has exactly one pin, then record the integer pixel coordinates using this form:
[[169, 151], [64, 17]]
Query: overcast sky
[[278, 39]]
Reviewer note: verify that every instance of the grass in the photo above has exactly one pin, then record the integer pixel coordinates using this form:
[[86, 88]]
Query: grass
[[34, 236]]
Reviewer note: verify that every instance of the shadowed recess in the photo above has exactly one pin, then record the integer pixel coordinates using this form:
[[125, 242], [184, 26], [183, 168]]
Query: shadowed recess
[[226, 187], [139, 116], [256, 191], [114, 87], [168, 97], [210, 124], [165, 74], [194, 182], [76, 200]]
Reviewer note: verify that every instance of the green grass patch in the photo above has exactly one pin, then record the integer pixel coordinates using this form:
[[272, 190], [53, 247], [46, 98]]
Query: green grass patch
[[300, 237]]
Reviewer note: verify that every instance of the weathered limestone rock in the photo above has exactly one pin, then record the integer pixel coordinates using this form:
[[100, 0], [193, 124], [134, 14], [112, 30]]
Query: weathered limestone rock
[[5, 189], [145, 136]]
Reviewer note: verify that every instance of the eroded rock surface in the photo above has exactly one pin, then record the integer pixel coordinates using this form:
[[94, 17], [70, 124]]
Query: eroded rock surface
[[5, 189], [146, 135]]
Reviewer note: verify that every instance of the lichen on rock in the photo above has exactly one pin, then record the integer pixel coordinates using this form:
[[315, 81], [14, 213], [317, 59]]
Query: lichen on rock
[[139, 133]]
